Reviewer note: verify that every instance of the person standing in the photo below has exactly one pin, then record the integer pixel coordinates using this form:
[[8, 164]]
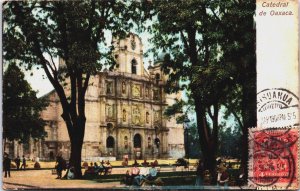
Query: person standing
[[6, 165], [23, 163], [199, 174], [59, 166], [18, 162], [223, 176]]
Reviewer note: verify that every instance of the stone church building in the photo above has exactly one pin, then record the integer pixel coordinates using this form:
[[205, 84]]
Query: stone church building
[[124, 111]]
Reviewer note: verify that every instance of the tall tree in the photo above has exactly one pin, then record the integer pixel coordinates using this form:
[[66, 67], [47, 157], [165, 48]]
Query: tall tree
[[186, 31], [21, 108], [36, 32], [236, 19], [210, 45]]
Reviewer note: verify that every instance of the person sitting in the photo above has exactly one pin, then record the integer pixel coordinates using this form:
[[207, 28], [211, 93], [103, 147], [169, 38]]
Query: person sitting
[[152, 173], [101, 168], [98, 169], [107, 168], [152, 178], [145, 163], [71, 174], [127, 179], [135, 163], [125, 162], [102, 162], [181, 162], [144, 172], [85, 165], [155, 163], [134, 171], [37, 165]]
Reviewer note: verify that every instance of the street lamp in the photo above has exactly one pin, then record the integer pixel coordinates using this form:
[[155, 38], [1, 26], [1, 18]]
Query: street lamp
[[186, 131]]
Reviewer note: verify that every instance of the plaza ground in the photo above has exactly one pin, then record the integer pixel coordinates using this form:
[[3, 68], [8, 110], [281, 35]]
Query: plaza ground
[[164, 162], [43, 179]]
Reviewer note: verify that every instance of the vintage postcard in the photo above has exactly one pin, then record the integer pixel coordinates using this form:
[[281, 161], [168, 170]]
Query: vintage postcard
[[131, 95]]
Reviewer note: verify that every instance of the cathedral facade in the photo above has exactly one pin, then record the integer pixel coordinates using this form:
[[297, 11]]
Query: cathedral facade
[[124, 111]]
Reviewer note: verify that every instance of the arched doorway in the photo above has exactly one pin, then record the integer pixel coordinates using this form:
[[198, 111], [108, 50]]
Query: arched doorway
[[110, 145], [133, 66], [137, 145], [51, 155]]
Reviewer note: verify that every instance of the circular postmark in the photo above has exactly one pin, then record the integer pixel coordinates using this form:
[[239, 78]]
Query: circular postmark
[[269, 99], [277, 107]]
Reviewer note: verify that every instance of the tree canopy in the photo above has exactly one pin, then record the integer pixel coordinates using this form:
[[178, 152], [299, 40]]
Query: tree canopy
[[21, 108], [211, 46], [37, 32]]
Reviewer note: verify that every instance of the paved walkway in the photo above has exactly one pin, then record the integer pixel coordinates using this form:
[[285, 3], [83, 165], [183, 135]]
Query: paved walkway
[[43, 179]]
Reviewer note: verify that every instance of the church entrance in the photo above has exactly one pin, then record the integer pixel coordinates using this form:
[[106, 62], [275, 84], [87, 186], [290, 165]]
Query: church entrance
[[137, 146], [110, 145]]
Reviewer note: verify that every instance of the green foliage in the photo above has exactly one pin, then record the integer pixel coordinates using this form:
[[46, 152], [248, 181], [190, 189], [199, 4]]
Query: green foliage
[[230, 141], [73, 31], [210, 45], [37, 32], [21, 108], [194, 143]]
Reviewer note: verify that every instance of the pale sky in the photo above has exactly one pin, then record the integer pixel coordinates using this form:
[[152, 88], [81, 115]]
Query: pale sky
[[39, 82]]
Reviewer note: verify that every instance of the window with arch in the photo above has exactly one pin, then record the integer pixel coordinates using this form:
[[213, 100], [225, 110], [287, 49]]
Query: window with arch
[[133, 66], [110, 142], [157, 78], [109, 87], [149, 142], [137, 141], [123, 88], [124, 115], [147, 117], [147, 91], [126, 142], [156, 94]]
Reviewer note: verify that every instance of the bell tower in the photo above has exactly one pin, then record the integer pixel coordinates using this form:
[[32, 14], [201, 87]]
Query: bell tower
[[128, 53]]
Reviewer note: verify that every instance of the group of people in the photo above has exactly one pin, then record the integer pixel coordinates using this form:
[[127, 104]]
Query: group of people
[[18, 162], [203, 176], [137, 176], [94, 168], [7, 164], [144, 163], [104, 167]]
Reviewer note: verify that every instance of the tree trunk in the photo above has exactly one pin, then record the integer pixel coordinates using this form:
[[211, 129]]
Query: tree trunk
[[76, 148], [249, 118], [76, 134], [207, 143], [75, 159]]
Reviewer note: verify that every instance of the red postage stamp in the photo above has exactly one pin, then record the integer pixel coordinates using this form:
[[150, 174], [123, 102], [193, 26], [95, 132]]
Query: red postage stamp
[[273, 158]]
